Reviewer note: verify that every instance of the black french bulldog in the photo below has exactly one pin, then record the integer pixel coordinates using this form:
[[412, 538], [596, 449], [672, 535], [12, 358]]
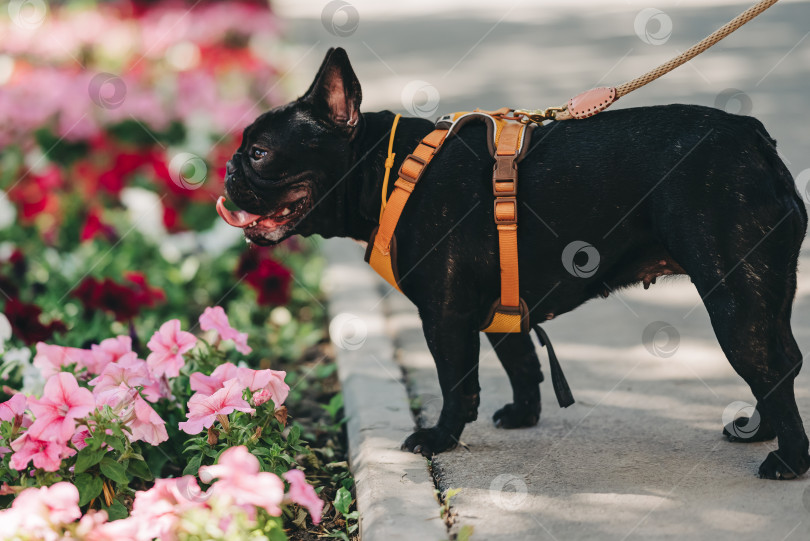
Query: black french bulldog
[[678, 189]]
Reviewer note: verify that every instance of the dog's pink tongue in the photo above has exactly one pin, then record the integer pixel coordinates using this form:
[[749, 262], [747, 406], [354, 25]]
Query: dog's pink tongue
[[240, 218]]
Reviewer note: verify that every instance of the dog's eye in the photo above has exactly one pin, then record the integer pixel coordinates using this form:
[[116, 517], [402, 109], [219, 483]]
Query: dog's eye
[[257, 153]]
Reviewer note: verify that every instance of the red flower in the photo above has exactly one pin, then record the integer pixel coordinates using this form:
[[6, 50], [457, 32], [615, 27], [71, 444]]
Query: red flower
[[171, 218], [93, 227], [125, 164], [35, 194], [145, 295], [270, 279], [25, 323], [122, 301]]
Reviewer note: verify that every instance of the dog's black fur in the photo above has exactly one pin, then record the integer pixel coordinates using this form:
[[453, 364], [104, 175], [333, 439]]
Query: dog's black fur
[[674, 189]]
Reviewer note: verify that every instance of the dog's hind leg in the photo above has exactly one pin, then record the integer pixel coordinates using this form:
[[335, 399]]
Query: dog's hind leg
[[748, 286], [518, 356]]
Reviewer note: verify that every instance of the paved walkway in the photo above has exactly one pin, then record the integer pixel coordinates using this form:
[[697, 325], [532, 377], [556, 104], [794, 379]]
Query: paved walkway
[[639, 456]]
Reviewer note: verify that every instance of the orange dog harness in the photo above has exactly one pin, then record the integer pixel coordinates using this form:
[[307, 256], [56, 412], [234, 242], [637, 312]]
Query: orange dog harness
[[507, 141]]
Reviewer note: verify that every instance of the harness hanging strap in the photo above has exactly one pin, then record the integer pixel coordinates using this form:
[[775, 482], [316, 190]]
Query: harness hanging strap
[[509, 313], [379, 251], [561, 389]]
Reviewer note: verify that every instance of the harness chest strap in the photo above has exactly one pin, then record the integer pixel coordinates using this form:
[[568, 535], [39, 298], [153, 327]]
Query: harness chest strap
[[379, 252]]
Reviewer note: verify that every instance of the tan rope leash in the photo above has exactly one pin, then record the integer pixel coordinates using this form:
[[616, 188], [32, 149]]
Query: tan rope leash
[[596, 100]]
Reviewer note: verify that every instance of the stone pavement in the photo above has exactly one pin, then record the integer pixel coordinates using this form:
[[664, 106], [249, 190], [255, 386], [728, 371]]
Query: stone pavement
[[640, 455]]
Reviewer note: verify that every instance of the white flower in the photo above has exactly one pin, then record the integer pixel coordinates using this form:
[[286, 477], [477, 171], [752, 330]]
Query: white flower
[[5, 331], [8, 213], [145, 212]]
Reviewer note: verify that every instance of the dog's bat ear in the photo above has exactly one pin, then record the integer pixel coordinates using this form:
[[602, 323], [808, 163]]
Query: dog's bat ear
[[335, 92]]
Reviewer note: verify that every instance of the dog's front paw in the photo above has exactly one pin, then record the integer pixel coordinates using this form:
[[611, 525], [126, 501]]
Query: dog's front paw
[[430, 441], [781, 466], [517, 416], [743, 431]]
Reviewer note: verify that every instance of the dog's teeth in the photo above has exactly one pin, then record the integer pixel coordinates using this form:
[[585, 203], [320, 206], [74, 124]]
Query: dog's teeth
[[285, 212]]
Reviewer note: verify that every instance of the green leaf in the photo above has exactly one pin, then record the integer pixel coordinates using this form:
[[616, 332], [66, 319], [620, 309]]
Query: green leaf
[[114, 470], [139, 468], [465, 533], [116, 511], [451, 492], [193, 466], [116, 443], [88, 458], [343, 501], [89, 487], [294, 435]]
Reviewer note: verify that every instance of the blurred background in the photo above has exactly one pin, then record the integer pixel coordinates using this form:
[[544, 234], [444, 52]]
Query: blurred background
[[116, 120]]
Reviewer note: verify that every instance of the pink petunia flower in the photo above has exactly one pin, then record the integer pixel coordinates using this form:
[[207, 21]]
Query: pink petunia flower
[[147, 425], [62, 402], [241, 482], [208, 385], [157, 511], [269, 383], [46, 455], [168, 345], [109, 351], [203, 410], [214, 318], [13, 407], [39, 511], [129, 371], [51, 359], [79, 438], [303, 494]]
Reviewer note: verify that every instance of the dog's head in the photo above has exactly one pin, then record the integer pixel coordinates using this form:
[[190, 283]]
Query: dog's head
[[292, 158]]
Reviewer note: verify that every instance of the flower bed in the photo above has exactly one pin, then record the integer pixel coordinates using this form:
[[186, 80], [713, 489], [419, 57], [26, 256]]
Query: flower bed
[[160, 380]]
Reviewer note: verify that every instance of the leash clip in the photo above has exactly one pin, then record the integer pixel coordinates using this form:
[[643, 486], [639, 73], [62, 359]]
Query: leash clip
[[538, 115]]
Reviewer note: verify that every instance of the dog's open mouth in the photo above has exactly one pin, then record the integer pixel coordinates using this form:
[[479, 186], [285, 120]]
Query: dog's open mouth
[[258, 226]]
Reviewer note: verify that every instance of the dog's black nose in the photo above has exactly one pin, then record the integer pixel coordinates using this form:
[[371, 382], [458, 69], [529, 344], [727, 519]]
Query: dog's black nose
[[230, 167]]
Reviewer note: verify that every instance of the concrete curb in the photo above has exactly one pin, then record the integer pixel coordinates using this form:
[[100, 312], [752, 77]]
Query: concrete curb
[[395, 493]]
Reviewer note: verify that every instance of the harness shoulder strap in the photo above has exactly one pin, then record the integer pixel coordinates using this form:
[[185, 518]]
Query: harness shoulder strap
[[381, 252]]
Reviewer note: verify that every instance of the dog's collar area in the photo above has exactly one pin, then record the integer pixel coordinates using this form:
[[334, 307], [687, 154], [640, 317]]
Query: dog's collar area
[[508, 139]]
